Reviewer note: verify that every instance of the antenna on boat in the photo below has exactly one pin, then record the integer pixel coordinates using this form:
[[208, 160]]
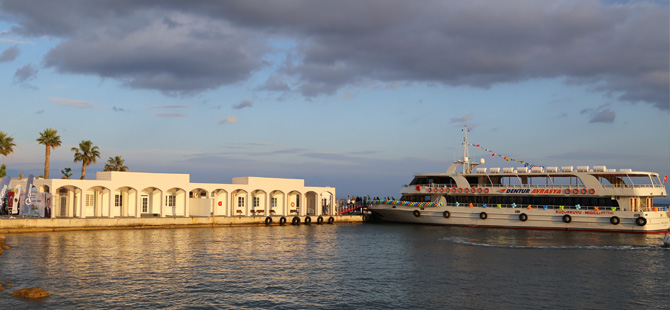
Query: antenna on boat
[[466, 153]]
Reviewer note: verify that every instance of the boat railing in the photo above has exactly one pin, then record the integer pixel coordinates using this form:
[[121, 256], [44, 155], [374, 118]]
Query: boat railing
[[535, 207], [559, 186]]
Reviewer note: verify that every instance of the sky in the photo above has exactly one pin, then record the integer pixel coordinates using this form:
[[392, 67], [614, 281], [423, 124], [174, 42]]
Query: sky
[[358, 95]]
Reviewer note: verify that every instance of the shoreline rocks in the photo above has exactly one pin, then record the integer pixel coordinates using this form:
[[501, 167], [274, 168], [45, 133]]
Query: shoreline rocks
[[31, 293]]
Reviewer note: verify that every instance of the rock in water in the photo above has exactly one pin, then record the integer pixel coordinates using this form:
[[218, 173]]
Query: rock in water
[[31, 293]]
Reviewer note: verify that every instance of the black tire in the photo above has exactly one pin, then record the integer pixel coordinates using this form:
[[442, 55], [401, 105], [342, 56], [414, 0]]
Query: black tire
[[483, 215], [417, 213], [308, 220], [331, 220], [366, 218], [268, 220], [446, 214], [567, 218], [295, 221], [523, 217], [319, 220], [282, 220], [615, 220], [641, 221]]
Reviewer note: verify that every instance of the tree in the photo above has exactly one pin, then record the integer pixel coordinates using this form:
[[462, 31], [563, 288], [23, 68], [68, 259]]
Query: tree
[[115, 164], [6, 144], [3, 171], [87, 153], [50, 138], [66, 173]]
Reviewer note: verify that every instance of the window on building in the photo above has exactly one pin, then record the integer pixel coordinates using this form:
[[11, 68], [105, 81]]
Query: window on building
[[89, 200], [145, 204], [171, 200], [240, 202], [118, 200], [273, 202], [257, 202]]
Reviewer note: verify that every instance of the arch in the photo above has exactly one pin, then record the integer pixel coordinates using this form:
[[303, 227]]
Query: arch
[[151, 202], [311, 203], [176, 202], [327, 203], [294, 203], [96, 201], [199, 203], [198, 193], [67, 202], [220, 204], [258, 202], [277, 203], [124, 202], [43, 188], [239, 202]]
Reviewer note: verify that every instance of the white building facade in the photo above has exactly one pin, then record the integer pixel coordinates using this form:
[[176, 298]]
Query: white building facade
[[115, 194]]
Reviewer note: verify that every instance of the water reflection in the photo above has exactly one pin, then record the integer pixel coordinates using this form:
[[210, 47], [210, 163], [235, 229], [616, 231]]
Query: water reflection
[[336, 266]]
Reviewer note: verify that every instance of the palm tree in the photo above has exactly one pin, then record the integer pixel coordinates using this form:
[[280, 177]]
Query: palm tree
[[50, 138], [87, 153], [6, 144], [115, 164], [66, 173]]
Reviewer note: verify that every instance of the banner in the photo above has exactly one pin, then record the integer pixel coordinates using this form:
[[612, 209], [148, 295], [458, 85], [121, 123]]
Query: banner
[[4, 185], [29, 190], [15, 202], [39, 205]]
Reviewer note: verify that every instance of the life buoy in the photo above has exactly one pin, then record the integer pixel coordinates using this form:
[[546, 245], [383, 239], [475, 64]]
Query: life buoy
[[416, 213], [430, 190], [295, 221], [567, 218], [292, 204], [331, 220], [583, 191], [641, 221], [486, 191], [268, 220], [447, 190], [592, 191], [460, 190], [308, 220], [435, 190], [483, 215], [523, 217], [442, 190], [473, 190], [220, 203], [319, 220], [615, 220], [446, 214], [480, 190], [282, 220], [467, 190], [418, 188], [567, 191], [575, 191]]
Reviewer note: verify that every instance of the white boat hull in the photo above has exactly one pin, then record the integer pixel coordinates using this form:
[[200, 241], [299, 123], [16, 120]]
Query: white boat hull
[[579, 220]]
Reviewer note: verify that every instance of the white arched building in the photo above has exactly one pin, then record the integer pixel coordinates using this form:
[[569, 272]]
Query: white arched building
[[116, 194]]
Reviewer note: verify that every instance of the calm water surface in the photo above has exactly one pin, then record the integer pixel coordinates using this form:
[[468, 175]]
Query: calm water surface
[[344, 266]]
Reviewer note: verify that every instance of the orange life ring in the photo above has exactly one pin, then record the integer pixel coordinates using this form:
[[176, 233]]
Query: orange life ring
[[442, 190], [575, 191], [592, 191], [460, 189], [583, 191], [486, 191], [466, 190], [430, 190], [473, 190], [418, 188], [292, 204], [480, 190], [220, 203], [567, 191], [435, 190], [447, 190]]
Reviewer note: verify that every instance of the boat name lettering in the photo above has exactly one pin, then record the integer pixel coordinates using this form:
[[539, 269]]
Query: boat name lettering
[[528, 191], [585, 212], [568, 212], [546, 191]]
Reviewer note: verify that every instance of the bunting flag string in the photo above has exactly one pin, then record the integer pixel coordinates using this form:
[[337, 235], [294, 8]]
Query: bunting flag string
[[508, 159]]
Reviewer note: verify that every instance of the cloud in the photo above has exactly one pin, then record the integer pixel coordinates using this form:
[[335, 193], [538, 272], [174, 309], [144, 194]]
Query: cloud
[[9, 54], [25, 74], [171, 106], [73, 103], [601, 114], [170, 115], [184, 48], [461, 120], [229, 119], [246, 103], [118, 109], [15, 41]]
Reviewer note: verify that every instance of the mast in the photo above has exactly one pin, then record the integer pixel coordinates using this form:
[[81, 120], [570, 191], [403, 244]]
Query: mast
[[466, 153]]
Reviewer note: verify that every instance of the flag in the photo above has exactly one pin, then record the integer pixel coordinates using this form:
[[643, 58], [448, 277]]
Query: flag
[[666, 178], [4, 184]]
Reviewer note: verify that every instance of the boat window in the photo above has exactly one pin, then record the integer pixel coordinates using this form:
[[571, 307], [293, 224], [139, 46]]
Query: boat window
[[419, 181]]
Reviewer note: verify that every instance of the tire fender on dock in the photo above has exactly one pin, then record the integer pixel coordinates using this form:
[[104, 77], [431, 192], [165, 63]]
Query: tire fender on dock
[[268, 220], [282, 220]]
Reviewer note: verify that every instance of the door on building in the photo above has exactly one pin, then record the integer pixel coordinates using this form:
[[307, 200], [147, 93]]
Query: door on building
[[145, 204]]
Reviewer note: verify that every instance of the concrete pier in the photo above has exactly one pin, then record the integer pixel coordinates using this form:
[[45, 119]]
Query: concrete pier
[[23, 225]]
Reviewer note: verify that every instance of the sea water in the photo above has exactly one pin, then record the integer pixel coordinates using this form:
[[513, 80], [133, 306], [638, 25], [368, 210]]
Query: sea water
[[342, 266]]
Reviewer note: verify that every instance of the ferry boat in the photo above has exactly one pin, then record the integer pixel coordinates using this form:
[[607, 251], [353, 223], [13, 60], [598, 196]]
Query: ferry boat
[[544, 198]]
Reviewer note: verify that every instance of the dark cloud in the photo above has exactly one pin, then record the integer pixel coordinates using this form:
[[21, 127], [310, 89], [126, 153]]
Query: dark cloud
[[246, 103], [25, 74], [9, 54], [602, 114], [118, 109], [182, 48]]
